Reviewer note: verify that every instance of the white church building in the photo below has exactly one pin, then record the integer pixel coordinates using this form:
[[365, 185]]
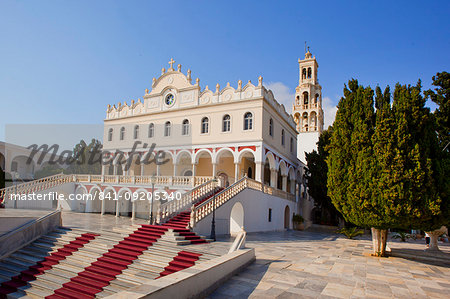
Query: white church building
[[231, 150]]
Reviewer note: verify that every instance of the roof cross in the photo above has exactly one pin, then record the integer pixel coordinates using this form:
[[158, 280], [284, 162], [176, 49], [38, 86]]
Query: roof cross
[[171, 62]]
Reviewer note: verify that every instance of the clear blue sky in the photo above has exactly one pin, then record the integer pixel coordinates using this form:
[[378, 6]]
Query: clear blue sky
[[64, 61]]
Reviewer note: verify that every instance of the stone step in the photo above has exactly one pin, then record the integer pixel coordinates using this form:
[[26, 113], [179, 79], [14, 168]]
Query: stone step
[[22, 295], [43, 285], [17, 262], [36, 292], [11, 267], [104, 294], [26, 257], [64, 274], [52, 278]]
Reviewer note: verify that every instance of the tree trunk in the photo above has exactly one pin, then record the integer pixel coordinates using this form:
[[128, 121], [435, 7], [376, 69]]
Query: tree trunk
[[379, 240], [434, 236]]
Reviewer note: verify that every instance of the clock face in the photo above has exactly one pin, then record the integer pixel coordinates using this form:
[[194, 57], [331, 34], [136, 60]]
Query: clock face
[[170, 99]]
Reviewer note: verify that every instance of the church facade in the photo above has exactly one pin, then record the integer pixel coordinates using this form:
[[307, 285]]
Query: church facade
[[228, 132]]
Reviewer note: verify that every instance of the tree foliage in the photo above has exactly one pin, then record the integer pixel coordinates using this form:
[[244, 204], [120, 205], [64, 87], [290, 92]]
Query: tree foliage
[[384, 165], [316, 175], [86, 158]]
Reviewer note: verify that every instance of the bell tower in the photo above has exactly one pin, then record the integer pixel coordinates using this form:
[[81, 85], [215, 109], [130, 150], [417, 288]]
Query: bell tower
[[307, 108]]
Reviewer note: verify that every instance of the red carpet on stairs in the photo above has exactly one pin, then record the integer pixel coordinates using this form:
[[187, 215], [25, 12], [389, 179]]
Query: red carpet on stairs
[[183, 260], [98, 275], [180, 222], [40, 267]]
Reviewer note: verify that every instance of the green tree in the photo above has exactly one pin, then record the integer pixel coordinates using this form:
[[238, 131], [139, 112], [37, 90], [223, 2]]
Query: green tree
[[316, 174], [86, 158], [441, 96], [383, 165]]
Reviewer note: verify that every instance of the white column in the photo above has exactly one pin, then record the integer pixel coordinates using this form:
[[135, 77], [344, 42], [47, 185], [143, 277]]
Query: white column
[[284, 182], [292, 191], [175, 169], [133, 210], [142, 169], [273, 178], [103, 169], [117, 208], [194, 169], [214, 168], [236, 172], [158, 170], [259, 172], [116, 169], [103, 206]]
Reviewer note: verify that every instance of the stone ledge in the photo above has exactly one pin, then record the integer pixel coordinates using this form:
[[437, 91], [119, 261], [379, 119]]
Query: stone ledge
[[195, 282]]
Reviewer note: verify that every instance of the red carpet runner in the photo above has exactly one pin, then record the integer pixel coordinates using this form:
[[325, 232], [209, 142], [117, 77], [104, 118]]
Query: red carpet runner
[[183, 260], [98, 275], [40, 267], [180, 222]]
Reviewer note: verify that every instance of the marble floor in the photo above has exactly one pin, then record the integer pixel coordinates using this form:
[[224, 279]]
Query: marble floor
[[296, 264]]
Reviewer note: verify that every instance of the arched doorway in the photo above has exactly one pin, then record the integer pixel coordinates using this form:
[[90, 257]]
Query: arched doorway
[[223, 178], [236, 218], [287, 213]]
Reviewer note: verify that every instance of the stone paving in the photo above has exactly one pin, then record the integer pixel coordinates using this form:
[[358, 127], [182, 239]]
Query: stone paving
[[296, 264]]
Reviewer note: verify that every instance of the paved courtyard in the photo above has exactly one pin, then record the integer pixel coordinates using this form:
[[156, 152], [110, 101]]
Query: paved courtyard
[[297, 264]]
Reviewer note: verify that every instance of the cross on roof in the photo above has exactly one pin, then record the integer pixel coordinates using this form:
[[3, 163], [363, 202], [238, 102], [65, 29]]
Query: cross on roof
[[171, 62]]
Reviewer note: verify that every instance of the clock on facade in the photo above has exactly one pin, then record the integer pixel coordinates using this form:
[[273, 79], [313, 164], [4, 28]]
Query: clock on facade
[[170, 99]]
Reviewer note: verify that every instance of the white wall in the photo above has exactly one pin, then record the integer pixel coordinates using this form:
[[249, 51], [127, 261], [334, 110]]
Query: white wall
[[256, 213], [306, 143]]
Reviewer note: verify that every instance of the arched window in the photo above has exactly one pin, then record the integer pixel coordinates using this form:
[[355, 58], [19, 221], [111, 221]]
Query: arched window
[[248, 121], [271, 127], [226, 123], [205, 125], [305, 121], [167, 128], [122, 133], [110, 134], [309, 73], [292, 145], [316, 99], [305, 98], [136, 132], [185, 129], [151, 130], [297, 100], [282, 137], [304, 73]]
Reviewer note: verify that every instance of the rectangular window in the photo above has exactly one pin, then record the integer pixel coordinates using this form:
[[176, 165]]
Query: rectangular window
[[270, 215], [292, 145]]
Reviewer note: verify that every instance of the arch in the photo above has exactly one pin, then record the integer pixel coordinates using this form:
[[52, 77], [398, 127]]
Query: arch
[[203, 160], [125, 203], [287, 217], [305, 98], [316, 98], [226, 123], [309, 73], [151, 130], [182, 155], [313, 120], [221, 152], [305, 121], [284, 169], [141, 200], [297, 100], [248, 121], [205, 125], [167, 168], [236, 218], [110, 134], [201, 152], [185, 128], [122, 133], [21, 169], [110, 196], [304, 73], [95, 204], [272, 162], [167, 128]]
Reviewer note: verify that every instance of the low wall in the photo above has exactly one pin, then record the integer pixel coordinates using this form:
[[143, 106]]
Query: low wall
[[29, 232], [256, 207], [195, 282]]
